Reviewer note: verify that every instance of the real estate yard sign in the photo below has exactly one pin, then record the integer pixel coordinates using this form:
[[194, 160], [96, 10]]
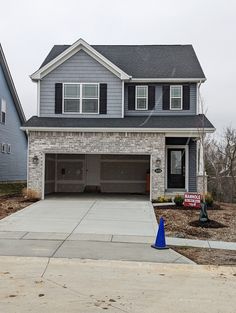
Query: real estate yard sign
[[192, 200]]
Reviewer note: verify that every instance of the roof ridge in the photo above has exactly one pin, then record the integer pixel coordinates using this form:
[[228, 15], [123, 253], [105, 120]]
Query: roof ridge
[[130, 45]]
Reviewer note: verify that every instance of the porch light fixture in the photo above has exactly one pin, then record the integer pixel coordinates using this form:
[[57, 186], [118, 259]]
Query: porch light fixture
[[158, 163], [35, 160]]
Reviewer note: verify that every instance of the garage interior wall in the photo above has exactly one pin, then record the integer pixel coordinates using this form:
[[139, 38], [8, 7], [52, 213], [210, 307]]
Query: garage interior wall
[[106, 173]]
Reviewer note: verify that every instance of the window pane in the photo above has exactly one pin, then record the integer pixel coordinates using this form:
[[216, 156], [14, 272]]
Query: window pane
[[141, 91], [71, 91], [3, 106], [142, 103], [3, 117], [90, 106], [176, 162], [90, 91], [176, 91], [176, 103], [71, 105]]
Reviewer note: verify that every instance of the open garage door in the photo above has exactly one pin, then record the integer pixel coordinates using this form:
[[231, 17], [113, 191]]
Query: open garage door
[[97, 173]]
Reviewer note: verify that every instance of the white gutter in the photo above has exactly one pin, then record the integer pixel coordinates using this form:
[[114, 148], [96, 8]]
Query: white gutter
[[117, 129], [168, 80]]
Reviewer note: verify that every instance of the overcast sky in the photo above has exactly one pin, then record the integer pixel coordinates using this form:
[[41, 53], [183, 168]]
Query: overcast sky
[[29, 29]]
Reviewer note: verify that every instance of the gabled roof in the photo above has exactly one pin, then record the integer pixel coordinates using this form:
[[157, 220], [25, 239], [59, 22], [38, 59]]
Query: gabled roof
[[141, 123], [70, 51], [11, 86], [145, 61]]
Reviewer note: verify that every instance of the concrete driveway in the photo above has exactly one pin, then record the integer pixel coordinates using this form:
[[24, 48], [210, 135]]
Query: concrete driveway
[[86, 227], [85, 214]]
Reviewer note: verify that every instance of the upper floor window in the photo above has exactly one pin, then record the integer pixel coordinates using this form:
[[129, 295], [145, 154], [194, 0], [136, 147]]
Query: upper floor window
[[176, 98], [81, 98], [4, 148], [8, 148], [141, 98], [3, 111]]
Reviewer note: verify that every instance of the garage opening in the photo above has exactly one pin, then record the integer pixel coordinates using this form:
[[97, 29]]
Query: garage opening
[[101, 173]]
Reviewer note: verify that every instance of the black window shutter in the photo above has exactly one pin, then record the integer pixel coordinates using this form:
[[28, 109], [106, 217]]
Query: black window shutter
[[166, 97], [58, 98], [186, 97], [103, 99], [151, 97], [131, 97]]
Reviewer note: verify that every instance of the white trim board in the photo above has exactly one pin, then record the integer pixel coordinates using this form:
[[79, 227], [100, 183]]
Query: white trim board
[[176, 132], [69, 52], [167, 80]]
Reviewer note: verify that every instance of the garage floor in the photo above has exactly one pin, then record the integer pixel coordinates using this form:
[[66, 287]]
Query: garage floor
[[89, 226]]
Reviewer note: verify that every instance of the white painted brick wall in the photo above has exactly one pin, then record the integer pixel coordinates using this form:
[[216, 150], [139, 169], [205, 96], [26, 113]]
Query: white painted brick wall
[[97, 143]]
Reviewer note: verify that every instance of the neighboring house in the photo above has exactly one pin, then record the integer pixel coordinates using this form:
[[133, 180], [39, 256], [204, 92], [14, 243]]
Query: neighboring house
[[110, 115], [13, 141]]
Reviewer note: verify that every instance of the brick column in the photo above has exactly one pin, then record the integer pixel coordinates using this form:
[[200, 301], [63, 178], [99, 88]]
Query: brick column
[[158, 179]]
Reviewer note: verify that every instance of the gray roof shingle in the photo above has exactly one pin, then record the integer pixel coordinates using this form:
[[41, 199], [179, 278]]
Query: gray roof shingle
[[193, 121], [147, 61]]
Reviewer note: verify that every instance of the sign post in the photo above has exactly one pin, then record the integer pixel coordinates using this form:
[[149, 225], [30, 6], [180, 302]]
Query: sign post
[[192, 200]]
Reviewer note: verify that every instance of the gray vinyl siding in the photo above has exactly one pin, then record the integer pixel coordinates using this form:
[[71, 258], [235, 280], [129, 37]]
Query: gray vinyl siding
[[158, 103], [81, 68], [192, 181], [192, 166], [13, 165]]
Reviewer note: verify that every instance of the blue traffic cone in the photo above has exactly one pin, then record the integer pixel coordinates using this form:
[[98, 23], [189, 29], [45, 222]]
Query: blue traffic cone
[[160, 239]]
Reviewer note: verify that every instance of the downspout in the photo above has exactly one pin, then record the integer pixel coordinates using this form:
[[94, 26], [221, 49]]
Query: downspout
[[198, 96]]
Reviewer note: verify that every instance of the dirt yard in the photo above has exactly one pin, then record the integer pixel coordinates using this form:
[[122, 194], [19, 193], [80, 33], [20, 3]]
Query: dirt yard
[[183, 222], [208, 256], [12, 203]]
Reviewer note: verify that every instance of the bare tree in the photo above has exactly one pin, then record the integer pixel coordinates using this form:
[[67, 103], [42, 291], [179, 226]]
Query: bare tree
[[227, 150], [203, 218], [202, 142], [221, 163]]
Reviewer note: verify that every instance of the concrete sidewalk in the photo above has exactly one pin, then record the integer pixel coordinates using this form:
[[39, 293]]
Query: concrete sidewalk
[[85, 246], [211, 244], [64, 285]]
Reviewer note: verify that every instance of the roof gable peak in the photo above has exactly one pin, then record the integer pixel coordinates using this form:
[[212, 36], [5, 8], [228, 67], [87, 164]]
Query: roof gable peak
[[80, 44]]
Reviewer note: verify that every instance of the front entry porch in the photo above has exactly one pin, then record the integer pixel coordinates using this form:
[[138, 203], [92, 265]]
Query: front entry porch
[[182, 163]]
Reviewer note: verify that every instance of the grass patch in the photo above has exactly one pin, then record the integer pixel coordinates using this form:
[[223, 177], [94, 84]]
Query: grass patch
[[11, 188]]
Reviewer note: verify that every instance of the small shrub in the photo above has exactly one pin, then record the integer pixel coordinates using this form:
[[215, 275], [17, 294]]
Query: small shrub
[[178, 200], [162, 199], [30, 194], [209, 200]]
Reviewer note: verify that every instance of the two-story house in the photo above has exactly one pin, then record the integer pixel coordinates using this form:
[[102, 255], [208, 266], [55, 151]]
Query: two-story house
[[13, 141], [112, 117]]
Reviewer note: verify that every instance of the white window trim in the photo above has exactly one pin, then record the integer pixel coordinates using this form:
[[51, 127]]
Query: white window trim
[[80, 98], [3, 102], [136, 98], [4, 148], [181, 88], [186, 147], [9, 148]]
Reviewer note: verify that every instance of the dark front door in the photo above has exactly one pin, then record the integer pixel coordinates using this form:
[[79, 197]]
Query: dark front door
[[176, 168]]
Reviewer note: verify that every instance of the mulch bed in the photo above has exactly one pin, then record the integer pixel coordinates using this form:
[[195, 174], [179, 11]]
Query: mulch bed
[[12, 203], [208, 256], [184, 222]]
